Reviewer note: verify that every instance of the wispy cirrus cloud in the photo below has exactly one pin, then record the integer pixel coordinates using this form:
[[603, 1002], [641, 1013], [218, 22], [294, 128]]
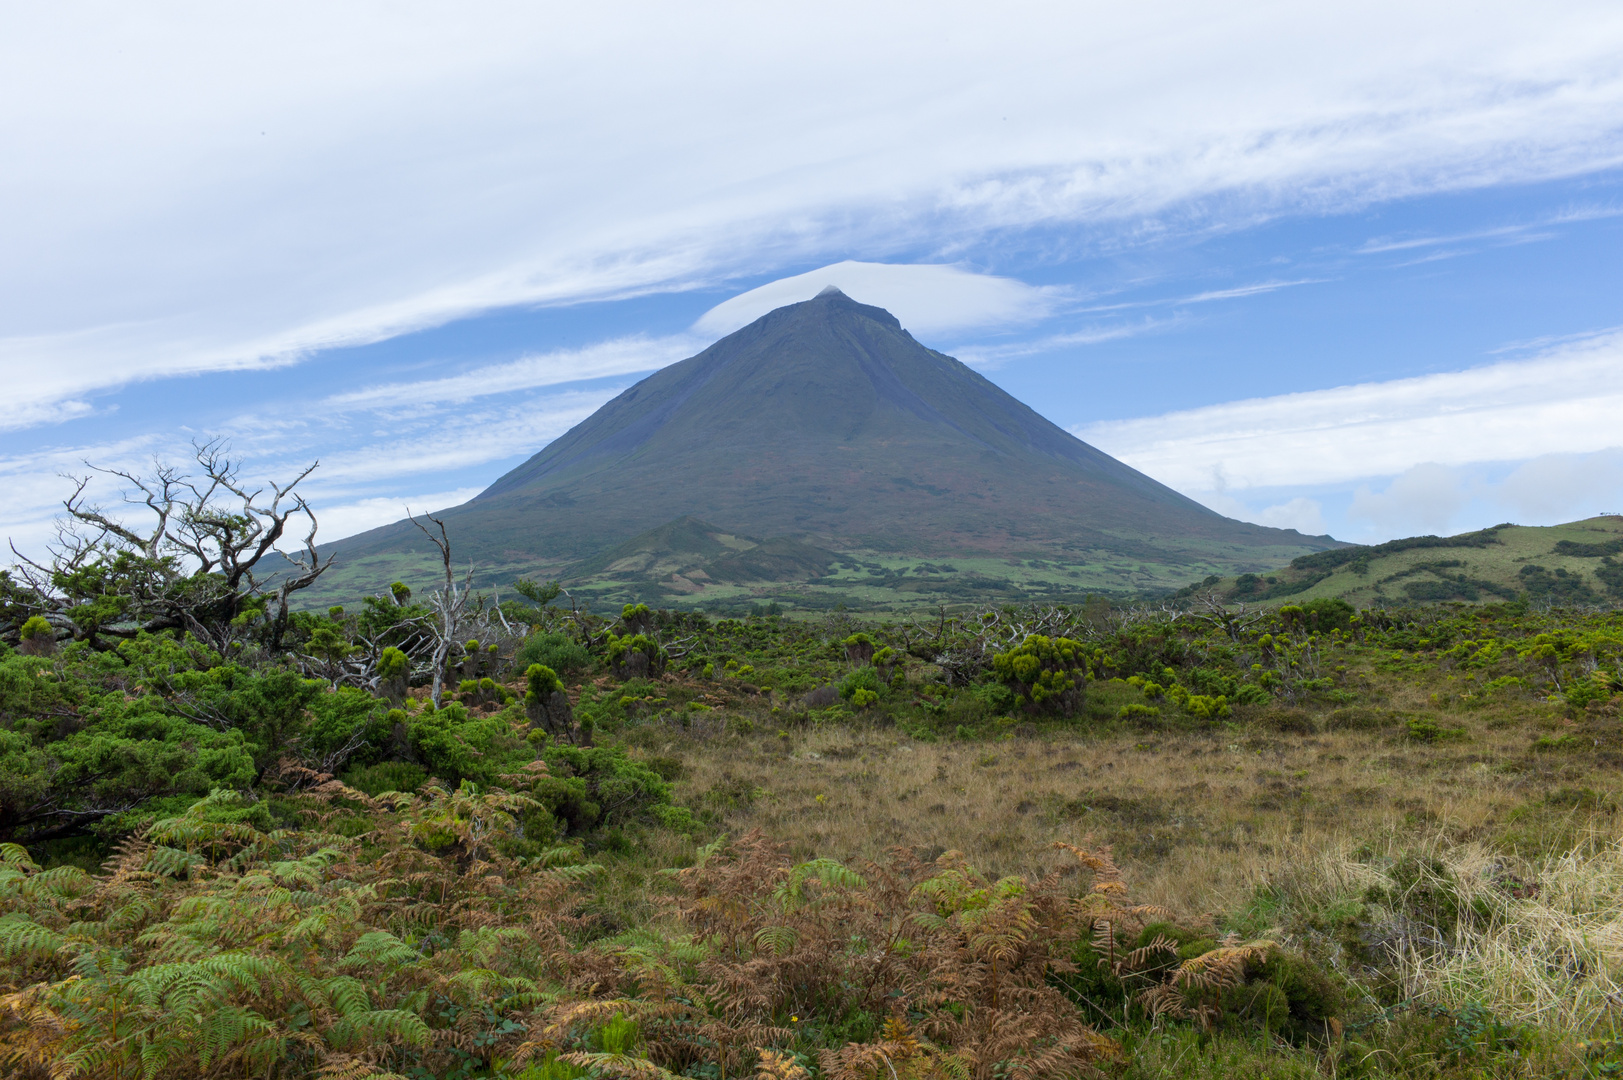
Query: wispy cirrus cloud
[[444, 441], [619, 356], [1240, 291], [991, 357], [1512, 233], [175, 204]]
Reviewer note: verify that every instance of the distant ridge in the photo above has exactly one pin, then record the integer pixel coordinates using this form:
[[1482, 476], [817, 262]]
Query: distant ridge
[[825, 421], [1573, 563]]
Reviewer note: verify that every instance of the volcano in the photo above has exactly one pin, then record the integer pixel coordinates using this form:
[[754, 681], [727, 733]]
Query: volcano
[[826, 423]]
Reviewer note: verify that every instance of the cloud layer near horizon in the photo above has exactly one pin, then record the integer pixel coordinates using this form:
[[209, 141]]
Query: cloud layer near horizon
[[1566, 400], [222, 188]]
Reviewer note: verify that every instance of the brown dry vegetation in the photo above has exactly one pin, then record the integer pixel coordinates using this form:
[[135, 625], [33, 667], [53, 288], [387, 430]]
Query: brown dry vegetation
[[1199, 817]]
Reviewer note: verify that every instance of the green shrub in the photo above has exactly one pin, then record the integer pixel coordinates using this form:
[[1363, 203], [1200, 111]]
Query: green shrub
[[455, 746], [863, 679], [560, 652], [36, 638], [1045, 674], [546, 704], [1425, 729], [859, 648], [1251, 694], [394, 671], [1581, 692], [1203, 707], [635, 656]]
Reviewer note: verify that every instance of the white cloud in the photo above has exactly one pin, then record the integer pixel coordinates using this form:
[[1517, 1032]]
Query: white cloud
[[1509, 233], [1560, 487], [927, 298], [193, 189], [1382, 245], [621, 356], [1565, 401], [1423, 499], [441, 442], [359, 473], [989, 357], [1303, 514], [27, 414], [1246, 290], [347, 519], [1545, 490]]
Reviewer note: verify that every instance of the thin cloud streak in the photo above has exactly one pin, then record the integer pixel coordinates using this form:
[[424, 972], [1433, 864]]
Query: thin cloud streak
[[991, 357], [1246, 290], [621, 356], [1521, 233], [1237, 293]]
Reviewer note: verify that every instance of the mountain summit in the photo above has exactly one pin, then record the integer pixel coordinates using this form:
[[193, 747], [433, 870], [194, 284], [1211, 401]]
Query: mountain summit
[[826, 421]]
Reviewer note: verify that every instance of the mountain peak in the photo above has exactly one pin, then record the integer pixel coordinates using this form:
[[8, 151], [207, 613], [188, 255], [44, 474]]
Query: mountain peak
[[826, 421]]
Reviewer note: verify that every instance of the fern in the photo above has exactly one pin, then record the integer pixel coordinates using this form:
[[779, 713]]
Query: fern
[[23, 939], [380, 949], [15, 857]]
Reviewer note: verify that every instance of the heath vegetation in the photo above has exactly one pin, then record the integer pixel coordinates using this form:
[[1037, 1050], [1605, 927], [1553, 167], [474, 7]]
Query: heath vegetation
[[441, 835]]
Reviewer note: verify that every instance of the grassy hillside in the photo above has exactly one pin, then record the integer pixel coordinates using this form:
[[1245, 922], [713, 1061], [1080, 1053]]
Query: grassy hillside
[[1573, 563], [692, 565]]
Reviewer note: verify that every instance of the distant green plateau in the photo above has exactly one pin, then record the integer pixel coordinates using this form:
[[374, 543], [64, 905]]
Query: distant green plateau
[[821, 456], [690, 564], [1580, 562]]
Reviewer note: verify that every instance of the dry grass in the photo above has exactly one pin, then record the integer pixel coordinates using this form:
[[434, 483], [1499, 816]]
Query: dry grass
[[1513, 805], [1540, 939], [1196, 816]]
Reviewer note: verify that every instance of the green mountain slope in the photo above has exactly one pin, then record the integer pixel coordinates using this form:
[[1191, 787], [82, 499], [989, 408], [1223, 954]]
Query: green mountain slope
[[1579, 562], [827, 423]]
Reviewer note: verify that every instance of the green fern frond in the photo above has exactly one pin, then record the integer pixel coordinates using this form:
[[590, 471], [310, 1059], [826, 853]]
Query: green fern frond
[[16, 857], [382, 949], [779, 940], [173, 862], [347, 996], [392, 1026], [23, 938], [561, 855]]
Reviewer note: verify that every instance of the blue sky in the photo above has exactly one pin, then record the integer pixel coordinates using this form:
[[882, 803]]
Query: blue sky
[[1357, 269]]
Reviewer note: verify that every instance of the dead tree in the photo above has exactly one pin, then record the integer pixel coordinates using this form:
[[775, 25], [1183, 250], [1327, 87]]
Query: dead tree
[[195, 566], [459, 619]]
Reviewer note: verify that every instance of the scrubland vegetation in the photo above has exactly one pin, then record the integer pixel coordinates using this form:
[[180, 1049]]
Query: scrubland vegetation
[[434, 836]]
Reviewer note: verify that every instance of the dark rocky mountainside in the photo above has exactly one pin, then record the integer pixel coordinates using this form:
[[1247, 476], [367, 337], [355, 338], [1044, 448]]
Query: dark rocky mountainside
[[826, 422]]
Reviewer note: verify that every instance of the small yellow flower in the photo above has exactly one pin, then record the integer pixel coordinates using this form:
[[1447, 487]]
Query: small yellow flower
[[794, 1019]]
